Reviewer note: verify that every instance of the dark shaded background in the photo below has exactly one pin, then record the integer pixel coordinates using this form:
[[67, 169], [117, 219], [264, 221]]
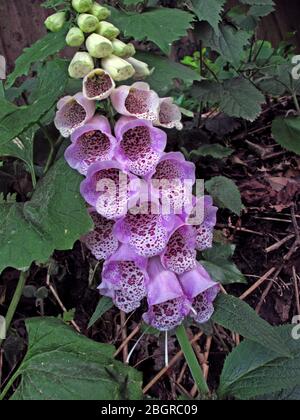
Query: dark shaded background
[[21, 24]]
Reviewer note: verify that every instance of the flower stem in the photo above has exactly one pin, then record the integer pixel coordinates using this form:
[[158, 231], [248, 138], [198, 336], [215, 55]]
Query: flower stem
[[15, 301], [192, 361]]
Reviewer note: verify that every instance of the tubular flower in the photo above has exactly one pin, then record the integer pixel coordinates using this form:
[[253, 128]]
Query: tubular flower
[[72, 113], [144, 229], [118, 68], [140, 145], [90, 144], [201, 291], [136, 101], [168, 305], [108, 30], [82, 6], [56, 21], [87, 23], [101, 241], [126, 271], [81, 64], [204, 218], [99, 11], [141, 69], [173, 178], [169, 115], [180, 253], [75, 37], [98, 85], [123, 50], [98, 46], [109, 188]]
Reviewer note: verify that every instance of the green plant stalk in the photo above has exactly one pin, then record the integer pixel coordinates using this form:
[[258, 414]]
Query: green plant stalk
[[192, 361], [8, 319], [33, 176], [15, 301]]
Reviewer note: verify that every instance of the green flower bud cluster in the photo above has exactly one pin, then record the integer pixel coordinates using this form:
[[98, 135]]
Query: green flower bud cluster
[[99, 38]]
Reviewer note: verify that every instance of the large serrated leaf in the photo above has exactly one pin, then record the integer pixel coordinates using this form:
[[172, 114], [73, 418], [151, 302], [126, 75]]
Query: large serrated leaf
[[166, 72], [54, 218], [211, 14], [225, 193], [229, 42], [235, 315], [154, 25], [240, 98], [286, 132], [251, 370], [63, 365], [236, 97], [42, 49], [23, 117], [21, 148]]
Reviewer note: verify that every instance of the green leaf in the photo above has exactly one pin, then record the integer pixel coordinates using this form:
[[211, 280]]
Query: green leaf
[[166, 72], [219, 265], [132, 2], [235, 315], [17, 122], [104, 305], [154, 25], [258, 2], [237, 97], [211, 14], [63, 365], [217, 151], [286, 132], [21, 148], [225, 193], [229, 42], [208, 92], [261, 10], [6, 108], [42, 49], [54, 218], [251, 370], [292, 394], [240, 98]]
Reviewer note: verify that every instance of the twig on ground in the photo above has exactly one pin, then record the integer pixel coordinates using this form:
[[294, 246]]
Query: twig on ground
[[257, 284], [182, 373], [286, 258], [128, 339], [57, 298], [279, 244], [124, 335], [171, 363]]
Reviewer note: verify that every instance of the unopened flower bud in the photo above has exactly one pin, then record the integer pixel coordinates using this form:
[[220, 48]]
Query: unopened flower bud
[[98, 46], [82, 6], [118, 68], [130, 50], [56, 21], [141, 69], [108, 30], [99, 11], [75, 37], [122, 50], [81, 65], [87, 23]]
